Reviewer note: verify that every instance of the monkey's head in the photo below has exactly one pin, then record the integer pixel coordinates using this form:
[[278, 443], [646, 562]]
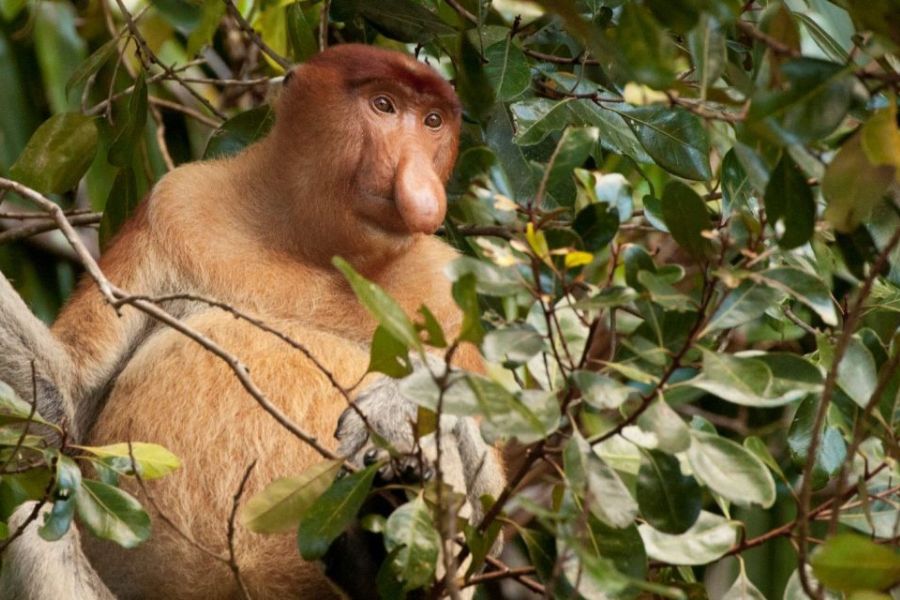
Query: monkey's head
[[380, 129]]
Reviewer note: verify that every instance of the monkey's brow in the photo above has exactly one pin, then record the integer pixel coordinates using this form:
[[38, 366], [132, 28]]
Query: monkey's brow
[[406, 88]]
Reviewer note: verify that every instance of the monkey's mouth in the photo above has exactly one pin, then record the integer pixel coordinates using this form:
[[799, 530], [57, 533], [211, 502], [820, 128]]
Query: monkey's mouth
[[379, 210]]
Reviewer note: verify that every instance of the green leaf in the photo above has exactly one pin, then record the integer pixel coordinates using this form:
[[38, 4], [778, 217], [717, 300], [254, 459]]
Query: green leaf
[[790, 207], [646, 50], [507, 69], [597, 225], [388, 355], [743, 589], [675, 138], [606, 496], [153, 461], [745, 303], [130, 123], [730, 470], [857, 374], [687, 218], [849, 562], [404, 20], [813, 103], [573, 149], [761, 451], [301, 32], [410, 530], [93, 64], [669, 500], [333, 511], [112, 514], [466, 297], [120, 205], [431, 328], [804, 287], [384, 308], [240, 131], [58, 154], [491, 280], [282, 504], [831, 452], [512, 346], [664, 294], [15, 410], [601, 391], [202, 35], [537, 118], [737, 188], [853, 186], [707, 45], [710, 538]]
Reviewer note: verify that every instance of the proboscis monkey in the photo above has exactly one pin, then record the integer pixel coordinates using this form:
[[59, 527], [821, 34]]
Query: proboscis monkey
[[363, 141]]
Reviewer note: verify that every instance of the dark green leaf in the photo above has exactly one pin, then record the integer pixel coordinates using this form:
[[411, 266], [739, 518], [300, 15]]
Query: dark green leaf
[[789, 204], [675, 138], [388, 355], [466, 297], [597, 225], [669, 500], [129, 125], [58, 154], [813, 103], [238, 132], [301, 32], [120, 205], [404, 20], [384, 308], [93, 64], [507, 69], [333, 511], [687, 218]]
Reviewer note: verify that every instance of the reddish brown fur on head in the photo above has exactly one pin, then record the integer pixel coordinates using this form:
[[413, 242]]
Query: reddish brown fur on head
[[377, 173]]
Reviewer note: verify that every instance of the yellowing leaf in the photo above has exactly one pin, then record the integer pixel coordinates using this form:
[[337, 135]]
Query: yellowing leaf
[[881, 139], [577, 258], [153, 460], [537, 241]]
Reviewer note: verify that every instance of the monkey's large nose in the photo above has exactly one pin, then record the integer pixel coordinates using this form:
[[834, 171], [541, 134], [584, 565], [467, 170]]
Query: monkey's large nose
[[419, 193]]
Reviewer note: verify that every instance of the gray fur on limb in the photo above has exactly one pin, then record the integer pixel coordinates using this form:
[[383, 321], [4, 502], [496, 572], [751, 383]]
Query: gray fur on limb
[[35, 569], [23, 339]]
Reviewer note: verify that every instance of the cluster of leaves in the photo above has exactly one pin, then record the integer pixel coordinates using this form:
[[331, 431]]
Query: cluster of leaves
[[38, 466], [679, 223]]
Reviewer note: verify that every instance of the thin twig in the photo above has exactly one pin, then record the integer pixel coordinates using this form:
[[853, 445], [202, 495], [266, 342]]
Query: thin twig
[[232, 561], [26, 231], [255, 37]]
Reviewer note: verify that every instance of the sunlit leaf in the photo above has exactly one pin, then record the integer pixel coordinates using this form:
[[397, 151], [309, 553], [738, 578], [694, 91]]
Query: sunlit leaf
[[281, 505]]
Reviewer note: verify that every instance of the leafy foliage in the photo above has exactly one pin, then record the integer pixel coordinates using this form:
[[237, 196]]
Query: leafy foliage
[[680, 240]]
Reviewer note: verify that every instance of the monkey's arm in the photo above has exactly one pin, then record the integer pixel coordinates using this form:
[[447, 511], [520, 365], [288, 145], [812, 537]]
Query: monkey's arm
[[77, 358], [23, 339]]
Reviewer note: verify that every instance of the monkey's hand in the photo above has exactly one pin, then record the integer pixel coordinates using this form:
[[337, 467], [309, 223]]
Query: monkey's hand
[[467, 463]]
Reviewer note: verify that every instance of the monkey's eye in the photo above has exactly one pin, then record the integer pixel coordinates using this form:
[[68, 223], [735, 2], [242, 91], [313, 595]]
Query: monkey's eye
[[433, 120], [383, 104]]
